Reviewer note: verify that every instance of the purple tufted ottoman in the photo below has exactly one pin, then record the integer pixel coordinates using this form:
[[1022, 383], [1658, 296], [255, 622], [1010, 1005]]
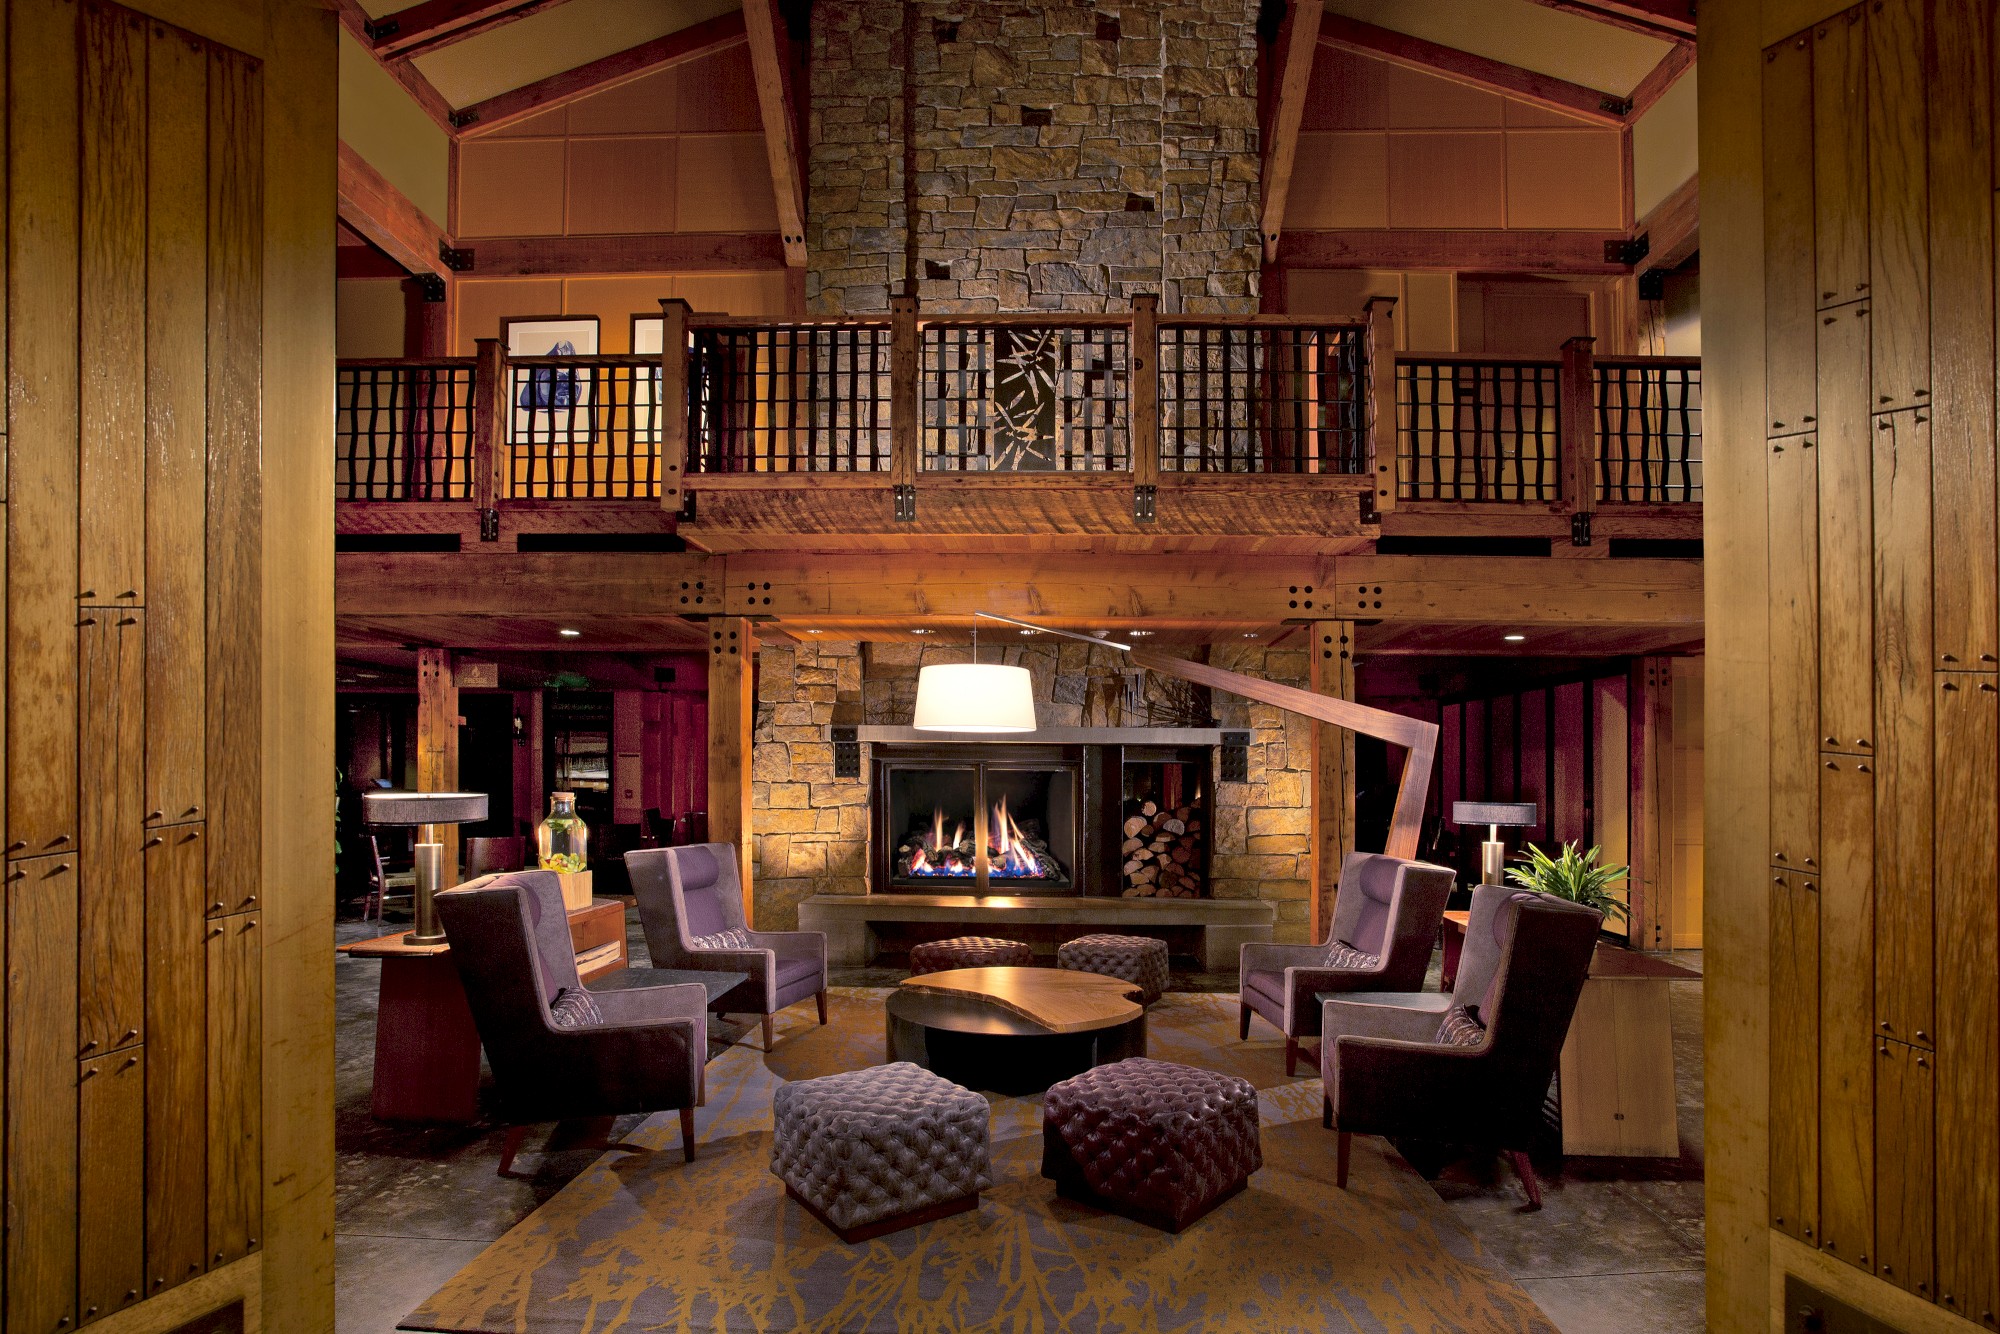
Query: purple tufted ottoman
[[875, 1150], [1155, 1141], [938, 956], [1140, 960]]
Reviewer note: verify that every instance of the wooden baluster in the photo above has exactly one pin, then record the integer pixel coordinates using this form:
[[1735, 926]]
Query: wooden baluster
[[1577, 429], [673, 406], [489, 452], [1380, 354], [1142, 356]]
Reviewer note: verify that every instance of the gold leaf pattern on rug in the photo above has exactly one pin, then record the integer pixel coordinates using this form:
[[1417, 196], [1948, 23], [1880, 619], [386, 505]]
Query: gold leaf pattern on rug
[[641, 1241]]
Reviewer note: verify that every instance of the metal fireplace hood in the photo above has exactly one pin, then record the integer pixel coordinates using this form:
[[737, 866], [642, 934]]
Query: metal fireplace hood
[[1052, 736]]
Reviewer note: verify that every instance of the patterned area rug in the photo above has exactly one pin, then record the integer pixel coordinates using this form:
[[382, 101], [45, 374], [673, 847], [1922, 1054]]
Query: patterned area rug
[[641, 1241]]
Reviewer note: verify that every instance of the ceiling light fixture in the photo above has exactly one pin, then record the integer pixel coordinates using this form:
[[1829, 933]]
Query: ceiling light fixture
[[1139, 634], [1513, 639], [570, 634], [974, 696]]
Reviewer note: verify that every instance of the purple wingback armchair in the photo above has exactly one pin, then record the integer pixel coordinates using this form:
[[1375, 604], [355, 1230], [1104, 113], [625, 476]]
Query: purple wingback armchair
[[558, 1051], [691, 907], [1472, 1067], [1385, 921]]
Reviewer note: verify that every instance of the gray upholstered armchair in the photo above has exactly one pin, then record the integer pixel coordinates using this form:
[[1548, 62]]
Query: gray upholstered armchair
[[1472, 1067], [1385, 921], [558, 1051], [691, 907]]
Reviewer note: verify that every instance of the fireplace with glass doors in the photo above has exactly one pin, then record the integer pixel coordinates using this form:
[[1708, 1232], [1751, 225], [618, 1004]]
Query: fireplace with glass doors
[[969, 819]]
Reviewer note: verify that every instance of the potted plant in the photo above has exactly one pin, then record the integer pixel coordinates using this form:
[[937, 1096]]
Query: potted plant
[[1576, 876]]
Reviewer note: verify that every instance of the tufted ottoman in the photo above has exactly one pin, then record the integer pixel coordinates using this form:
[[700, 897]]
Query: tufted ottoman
[[1141, 960], [871, 1151], [1155, 1141], [937, 956]]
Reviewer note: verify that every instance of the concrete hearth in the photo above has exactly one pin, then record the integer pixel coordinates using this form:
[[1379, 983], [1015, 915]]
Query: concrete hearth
[[849, 919]]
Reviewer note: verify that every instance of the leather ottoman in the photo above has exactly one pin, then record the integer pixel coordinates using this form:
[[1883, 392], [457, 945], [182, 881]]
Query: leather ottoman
[[872, 1151], [1157, 1142], [938, 956], [1141, 960]]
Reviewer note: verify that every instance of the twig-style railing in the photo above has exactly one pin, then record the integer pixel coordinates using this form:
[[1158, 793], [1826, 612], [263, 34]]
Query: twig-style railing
[[1014, 396], [402, 430], [583, 428], [1263, 397], [1474, 428], [1648, 429], [789, 398]]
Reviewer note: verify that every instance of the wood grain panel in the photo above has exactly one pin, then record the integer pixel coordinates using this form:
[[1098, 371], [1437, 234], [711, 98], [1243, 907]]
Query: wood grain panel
[[41, 1093], [42, 421], [1794, 593], [111, 1157], [617, 185], [1331, 672], [1846, 451], [437, 741], [1903, 726], [176, 422], [1967, 935], [234, 718], [1904, 1166], [111, 744], [1847, 1008], [1840, 157], [1788, 237], [176, 1057], [1898, 201], [1447, 179], [1795, 1046], [235, 1079], [732, 710], [111, 469], [1961, 349]]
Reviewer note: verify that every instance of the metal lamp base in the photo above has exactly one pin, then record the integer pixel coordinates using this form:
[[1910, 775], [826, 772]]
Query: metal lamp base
[[430, 871], [1492, 863]]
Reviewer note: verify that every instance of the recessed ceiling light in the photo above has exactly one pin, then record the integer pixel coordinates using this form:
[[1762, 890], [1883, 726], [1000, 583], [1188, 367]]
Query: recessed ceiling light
[[1030, 632], [1513, 639], [570, 634], [1249, 634], [812, 632], [920, 631], [1139, 634]]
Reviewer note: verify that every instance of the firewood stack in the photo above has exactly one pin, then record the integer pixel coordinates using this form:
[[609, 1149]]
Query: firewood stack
[[1162, 852]]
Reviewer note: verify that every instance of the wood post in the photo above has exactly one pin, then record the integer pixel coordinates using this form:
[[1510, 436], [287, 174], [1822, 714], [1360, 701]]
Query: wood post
[[905, 393], [489, 449], [1650, 713], [437, 740], [1577, 426], [1380, 311], [673, 402], [732, 710], [1332, 674], [425, 329], [1143, 357]]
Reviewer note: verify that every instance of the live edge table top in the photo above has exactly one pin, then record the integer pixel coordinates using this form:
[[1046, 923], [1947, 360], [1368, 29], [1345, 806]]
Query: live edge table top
[[1058, 999]]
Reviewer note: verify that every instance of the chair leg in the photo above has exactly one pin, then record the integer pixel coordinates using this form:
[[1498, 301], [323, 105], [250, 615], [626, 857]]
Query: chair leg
[[511, 1146], [1526, 1171], [687, 1133], [1325, 1112], [1291, 1057], [1340, 1156], [821, 998], [1243, 1025], [767, 1033]]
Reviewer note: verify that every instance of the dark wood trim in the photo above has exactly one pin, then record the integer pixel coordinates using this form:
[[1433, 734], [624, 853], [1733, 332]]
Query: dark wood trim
[[1664, 75], [772, 60], [365, 261], [1292, 59], [355, 19], [683, 252], [1666, 20], [1488, 251], [570, 84], [1572, 99], [1674, 225], [386, 217], [436, 24]]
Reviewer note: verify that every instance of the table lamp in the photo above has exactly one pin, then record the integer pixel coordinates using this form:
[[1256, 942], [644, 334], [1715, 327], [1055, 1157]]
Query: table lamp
[[1493, 814], [426, 811]]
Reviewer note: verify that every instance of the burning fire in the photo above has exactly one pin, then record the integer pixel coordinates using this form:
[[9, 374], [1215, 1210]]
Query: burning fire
[[1013, 856]]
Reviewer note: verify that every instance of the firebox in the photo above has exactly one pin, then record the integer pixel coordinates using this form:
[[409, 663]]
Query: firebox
[[978, 819]]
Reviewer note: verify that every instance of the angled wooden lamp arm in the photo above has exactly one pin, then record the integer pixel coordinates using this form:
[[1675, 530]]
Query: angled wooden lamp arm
[[1417, 737]]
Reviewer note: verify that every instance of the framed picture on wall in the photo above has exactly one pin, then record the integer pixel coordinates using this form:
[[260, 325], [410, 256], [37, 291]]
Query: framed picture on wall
[[649, 335], [551, 404], [649, 339]]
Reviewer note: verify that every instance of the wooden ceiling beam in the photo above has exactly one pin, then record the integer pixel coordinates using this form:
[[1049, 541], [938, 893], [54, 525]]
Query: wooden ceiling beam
[[373, 585], [518, 103], [436, 24], [1666, 20], [1509, 591], [1495, 250], [1663, 76], [772, 62], [355, 20], [677, 252], [1448, 62], [1673, 227], [385, 216], [1298, 40]]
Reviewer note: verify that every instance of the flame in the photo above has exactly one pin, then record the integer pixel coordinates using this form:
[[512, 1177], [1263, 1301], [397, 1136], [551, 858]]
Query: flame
[[1009, 856]]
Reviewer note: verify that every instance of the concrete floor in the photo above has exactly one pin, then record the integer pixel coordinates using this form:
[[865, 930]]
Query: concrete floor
[[1617, 1246]]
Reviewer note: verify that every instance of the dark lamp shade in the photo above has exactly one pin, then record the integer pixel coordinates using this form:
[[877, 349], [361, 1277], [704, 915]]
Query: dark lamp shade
[[1493, 812], [423, 807]]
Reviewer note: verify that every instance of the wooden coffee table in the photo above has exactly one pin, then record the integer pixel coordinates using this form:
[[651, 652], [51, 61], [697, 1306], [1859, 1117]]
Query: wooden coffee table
[[1014, 1030]]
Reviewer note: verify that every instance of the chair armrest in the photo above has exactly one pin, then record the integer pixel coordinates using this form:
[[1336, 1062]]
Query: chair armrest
[[793, 944], [1411, 1016], [642, 1005], [658, 1062], [1422, 1089], [1263, 957]]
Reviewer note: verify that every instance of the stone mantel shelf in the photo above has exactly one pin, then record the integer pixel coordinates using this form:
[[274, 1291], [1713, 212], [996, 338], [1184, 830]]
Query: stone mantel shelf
[[1052, 736]]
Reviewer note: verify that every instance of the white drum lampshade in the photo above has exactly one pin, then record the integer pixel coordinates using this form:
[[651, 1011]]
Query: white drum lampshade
[[975, 697]]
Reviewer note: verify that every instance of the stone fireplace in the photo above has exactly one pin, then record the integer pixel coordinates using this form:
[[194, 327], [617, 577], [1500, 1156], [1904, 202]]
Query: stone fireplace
[[995, 818]]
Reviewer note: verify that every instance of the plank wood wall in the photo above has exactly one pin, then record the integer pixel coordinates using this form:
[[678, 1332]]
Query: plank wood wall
[[133, 579], [1878, 193]]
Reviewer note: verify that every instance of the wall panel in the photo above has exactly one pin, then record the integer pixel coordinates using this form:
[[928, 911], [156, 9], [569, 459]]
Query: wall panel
[[1904, 1166], [1846, 451], [41, 1186], [1792, 470], [111, 1153], [235, 1078], [176, 1205], [1898, 202], [1840, 156], [1789, 307], [1794, 1054], [111, 757], [1846, 950]]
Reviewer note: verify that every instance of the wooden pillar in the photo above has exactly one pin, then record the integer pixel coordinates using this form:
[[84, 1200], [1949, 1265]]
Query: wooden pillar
[[437, 740], [1650, 721], [1144, 356], [1332, 673], [1577, 428], [905, 393], [490, 460], [1380, 311], [732, 709], [673, 402], [425, 333]]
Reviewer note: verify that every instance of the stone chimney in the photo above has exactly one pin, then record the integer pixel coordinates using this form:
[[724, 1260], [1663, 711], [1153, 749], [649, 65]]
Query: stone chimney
[[1026, 155]]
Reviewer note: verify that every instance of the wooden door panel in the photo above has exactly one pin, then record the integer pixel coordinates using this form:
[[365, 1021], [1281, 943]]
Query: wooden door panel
[[1967, 933], [41, 1185], [1789, 290], [1847, 1009], [1840, 157], [1845, 451], [111, 755], [235, 1080], [111, 1153], [1794, 1056], [1898, 202], [1794, 634], [176, 1056], [1903, 688], [1904, 1166]]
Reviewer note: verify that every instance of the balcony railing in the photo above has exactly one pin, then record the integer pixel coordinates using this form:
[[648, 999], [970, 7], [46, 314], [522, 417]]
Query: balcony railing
[[1648, 429], [583, 428], [402, 430]]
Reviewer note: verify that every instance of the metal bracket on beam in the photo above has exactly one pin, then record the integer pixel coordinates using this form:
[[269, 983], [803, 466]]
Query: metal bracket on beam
[[687, 514], [489, 525], [379, 29], [906, 504], [458, 261], [432, 286], [1144, 501], [1629, 252], [1653, 285], [462, 117], [1579, 529], [1615, 106], [1369, 514]]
